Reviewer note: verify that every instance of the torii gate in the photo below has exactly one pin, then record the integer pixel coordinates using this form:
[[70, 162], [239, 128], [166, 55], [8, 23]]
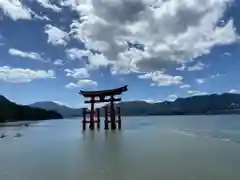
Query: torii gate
[[98, 97]]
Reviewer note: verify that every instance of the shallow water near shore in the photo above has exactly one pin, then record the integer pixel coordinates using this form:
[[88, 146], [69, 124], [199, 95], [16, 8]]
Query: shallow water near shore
[[153, 147]]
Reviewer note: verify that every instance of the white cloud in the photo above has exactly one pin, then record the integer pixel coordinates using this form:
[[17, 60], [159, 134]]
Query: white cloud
[[76, 54], [185, 86], [78, 73], [170, 31], [95, 60], [227, 54], [150, 101], [216, 75], [182, 68], [15, 9], [172, 97], [59, 62], [82, 83], [161, 79], [47, 4], [40, 17], [197, 67], [200, 81], [56, 36], [31, 55], [19, 75], [196, 92], [234, 91], [98, 60]]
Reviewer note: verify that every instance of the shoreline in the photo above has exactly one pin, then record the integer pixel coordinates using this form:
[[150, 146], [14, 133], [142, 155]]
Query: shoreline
[[16, 124]]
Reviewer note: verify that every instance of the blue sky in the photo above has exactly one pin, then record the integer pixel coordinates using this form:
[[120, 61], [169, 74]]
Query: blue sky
[[50, 49]]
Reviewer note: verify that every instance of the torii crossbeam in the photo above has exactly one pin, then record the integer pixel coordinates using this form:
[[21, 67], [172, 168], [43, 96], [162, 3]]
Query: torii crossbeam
[[103, 96]]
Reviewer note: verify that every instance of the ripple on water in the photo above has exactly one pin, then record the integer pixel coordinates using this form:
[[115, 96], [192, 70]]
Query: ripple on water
[[223, 136]]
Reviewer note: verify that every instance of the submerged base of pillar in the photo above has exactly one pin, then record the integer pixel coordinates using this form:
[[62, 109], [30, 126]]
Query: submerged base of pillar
[[106, 125], [84, 125], [119, 124], [98, 125], [91, 126], [113, 126]]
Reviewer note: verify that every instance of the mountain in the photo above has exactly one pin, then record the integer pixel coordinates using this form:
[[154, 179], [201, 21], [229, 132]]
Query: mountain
[[135, 108], [196, 105], [10, 111], [63, 110], [205, 104]]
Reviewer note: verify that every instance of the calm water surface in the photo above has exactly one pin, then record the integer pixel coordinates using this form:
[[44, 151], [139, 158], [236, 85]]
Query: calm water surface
[[148, 148]]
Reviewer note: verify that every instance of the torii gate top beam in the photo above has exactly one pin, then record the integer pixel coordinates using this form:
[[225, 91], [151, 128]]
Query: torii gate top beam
[[103, 93]]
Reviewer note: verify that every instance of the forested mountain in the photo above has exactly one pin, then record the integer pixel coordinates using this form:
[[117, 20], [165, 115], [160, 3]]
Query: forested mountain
[[11, 112], [65, 111], [205, 104]]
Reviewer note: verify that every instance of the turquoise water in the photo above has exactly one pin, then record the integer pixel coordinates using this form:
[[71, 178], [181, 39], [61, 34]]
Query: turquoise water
[[152, 148]]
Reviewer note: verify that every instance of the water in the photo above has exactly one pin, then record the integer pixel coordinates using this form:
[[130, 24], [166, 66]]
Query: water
[[153, 148]]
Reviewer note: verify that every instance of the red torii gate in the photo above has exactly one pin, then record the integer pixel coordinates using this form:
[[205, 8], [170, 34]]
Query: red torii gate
[[98, 97]]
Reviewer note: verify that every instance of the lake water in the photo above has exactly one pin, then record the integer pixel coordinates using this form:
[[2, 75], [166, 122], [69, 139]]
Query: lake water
[[147, 148]]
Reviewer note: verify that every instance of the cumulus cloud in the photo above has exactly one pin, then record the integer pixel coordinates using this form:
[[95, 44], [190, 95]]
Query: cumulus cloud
[[82, 83], [161, 79], [47, 4], [19, 75], [200, 81], [148, 35], [95, 60], [31, 55], [98, 60], [76, 54], [56, 36], [15, 9], [77, 73], [197, 67], [185, 86]]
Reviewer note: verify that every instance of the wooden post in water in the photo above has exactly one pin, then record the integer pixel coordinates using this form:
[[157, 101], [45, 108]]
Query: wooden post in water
[[119, 118], [91, 126], [113, 116], [106, 118], [98, 118], [84, 118]]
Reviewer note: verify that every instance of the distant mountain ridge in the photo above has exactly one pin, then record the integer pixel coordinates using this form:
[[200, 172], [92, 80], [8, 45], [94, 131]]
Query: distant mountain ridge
[[10, 111], [196, 105], [65, 111]]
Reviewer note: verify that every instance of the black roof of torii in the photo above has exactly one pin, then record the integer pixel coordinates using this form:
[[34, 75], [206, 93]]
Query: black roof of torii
[[108, 92]]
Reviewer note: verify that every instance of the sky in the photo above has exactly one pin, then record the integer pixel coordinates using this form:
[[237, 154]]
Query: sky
[[161, 49]]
